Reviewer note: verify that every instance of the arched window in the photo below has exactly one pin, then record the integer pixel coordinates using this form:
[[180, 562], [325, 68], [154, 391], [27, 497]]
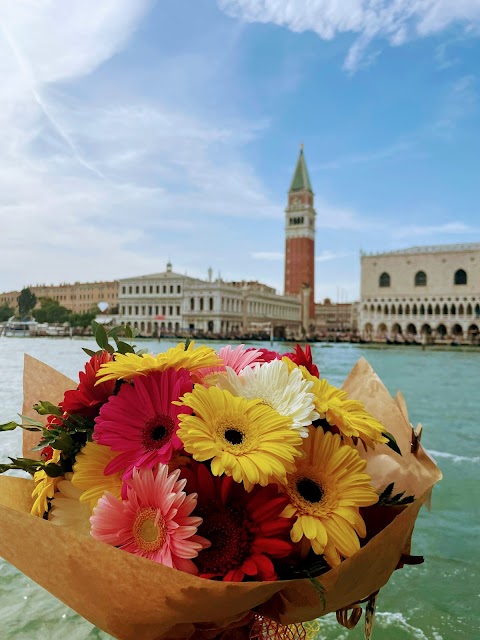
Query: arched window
[[414, 310], [461, 310], [379, 309], [460, 277], [400, 310], [422, 310], [437, 309], [384, 280], [477, 310], [453, 311], [192, 304], [365, 307], [393, 311], [469, 309], [407, 310], [429, 310], [420, 279], [372, 308], [445, 310], [385, 309]]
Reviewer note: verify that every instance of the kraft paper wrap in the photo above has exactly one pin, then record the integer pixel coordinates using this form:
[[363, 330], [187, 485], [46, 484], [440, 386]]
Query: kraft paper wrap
[[135, 599]]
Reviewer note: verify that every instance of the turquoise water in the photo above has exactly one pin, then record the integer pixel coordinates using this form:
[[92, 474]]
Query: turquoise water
[[439, 600]]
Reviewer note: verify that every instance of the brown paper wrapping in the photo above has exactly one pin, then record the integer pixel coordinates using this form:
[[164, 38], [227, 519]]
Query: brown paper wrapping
[[135, 599]]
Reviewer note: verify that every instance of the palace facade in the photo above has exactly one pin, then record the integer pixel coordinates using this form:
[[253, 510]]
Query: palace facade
[[171, 303], [421, 291]]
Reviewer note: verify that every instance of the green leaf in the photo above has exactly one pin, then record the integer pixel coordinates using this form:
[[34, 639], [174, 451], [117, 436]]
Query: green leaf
[[187, 343], [320, 589], [32, 422], [124, 347], [89, 352], [128, 332], [114, 331], [392, 443], [8, 426], [45, 408], [101, 337], [53, 470]]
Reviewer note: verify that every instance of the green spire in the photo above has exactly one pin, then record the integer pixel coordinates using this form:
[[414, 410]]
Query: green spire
[[301, 181]]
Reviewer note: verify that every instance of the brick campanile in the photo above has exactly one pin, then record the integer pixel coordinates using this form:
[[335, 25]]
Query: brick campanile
[[300, 241]]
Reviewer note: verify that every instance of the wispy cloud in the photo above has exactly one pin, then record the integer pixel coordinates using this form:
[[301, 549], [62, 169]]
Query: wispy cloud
[[327, 256], [393, 20], [460, 103], [133, 174], [448, 228], [268, 255]]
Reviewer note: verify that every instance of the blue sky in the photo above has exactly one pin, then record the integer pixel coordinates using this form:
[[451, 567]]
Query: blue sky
[[136, 131]]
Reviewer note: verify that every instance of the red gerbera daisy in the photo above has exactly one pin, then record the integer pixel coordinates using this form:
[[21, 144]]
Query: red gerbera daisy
[[266, 355], [245, 529], [87, 399], [304, 358], [141, 422]]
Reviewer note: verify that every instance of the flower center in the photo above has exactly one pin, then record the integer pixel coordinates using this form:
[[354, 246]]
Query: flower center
[[231, 541], [149, 530], [233, 436], [310, 490], [157, 432]]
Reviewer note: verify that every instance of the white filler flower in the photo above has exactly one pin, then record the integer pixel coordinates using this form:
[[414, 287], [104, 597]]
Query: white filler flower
[[286, 392]]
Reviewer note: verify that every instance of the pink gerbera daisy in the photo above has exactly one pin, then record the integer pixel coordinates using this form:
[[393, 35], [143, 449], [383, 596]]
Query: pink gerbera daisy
[[154, 521], [237, 359], [141, 422]]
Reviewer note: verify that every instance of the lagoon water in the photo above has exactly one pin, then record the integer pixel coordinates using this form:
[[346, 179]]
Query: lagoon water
[[439, 600]]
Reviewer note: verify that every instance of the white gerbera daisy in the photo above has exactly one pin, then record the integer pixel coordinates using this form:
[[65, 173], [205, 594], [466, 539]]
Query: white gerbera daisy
[[286, 392], [67, 510]]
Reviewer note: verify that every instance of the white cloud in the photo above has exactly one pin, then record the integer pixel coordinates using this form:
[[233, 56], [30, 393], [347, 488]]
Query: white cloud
[[327, 256], [455, 228], [394, 20], [268, 255], [101, 187]]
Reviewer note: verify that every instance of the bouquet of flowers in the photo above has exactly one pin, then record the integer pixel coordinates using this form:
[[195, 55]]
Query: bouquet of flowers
[[230, 494]]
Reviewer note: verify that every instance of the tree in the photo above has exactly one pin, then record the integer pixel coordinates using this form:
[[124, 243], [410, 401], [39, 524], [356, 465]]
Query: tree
[[82, 320], [6, 312], [26, 303], [51, 311]]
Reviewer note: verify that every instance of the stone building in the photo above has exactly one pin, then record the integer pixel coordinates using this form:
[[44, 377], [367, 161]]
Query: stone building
[[422, 291], [79, 297], [153, 304], [241, 308], [172, 303], [300, 242], [332, 318]]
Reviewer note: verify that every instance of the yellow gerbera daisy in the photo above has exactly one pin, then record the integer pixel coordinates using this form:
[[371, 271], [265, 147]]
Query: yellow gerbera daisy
[[89, 476], [326, 490], [245, 439], [348, 416], [45, 487], [129, 365], [68, 510]]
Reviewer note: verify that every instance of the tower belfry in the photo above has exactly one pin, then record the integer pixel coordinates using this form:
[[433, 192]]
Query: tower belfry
[[300, 241]]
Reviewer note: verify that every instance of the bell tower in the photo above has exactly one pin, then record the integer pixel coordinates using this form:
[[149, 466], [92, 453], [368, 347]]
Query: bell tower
[[300, 241]]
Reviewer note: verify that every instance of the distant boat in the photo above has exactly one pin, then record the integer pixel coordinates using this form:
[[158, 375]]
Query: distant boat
[[14, 327]]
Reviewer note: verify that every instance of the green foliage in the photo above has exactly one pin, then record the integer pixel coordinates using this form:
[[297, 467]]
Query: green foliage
[[386, 499], [51, 311], [45, 408], [103, 337], [82, 320], [6, 312], [8, 426], [26, 303], [392, 443]]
